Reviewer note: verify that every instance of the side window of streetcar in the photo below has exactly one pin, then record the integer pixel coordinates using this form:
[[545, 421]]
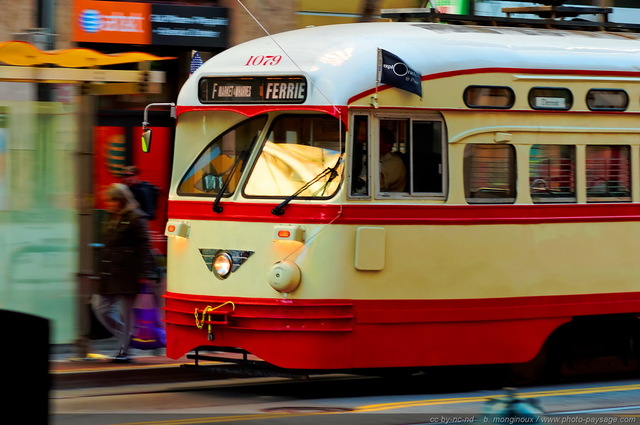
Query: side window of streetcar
[[427, 159], [550, 98], [359, 184], [411, 157], [490, 174], [607, 100], [552, 173], [491, 97], [393, 155], [608, 173]]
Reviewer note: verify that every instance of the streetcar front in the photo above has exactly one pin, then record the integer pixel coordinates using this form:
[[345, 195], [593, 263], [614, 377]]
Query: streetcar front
[[258, 165]]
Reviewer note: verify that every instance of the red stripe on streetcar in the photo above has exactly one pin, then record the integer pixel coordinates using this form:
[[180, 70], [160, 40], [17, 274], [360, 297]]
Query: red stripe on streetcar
[[339, 334], [472, 71], [407, 214]]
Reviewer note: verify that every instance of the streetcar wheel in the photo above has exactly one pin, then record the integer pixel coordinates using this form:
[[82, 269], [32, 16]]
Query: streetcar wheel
[[530, 372]]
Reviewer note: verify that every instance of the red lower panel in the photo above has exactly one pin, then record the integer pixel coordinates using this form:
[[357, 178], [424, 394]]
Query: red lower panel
[[345, 334]]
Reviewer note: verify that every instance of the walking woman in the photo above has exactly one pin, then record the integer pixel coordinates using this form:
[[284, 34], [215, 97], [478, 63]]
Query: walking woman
[[126, 264]]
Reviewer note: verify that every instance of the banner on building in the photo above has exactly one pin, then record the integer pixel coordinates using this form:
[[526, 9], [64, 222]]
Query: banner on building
[[149, 23], [194, 26]]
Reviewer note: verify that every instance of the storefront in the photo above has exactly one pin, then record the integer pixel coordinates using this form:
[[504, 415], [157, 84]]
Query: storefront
[[160, 29], [47, 110]]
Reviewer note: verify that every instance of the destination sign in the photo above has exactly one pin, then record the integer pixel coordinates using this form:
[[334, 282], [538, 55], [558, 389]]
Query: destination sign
[[252, 90]]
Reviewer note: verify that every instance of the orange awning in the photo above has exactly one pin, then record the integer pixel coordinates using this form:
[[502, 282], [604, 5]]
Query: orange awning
[[21, 53]]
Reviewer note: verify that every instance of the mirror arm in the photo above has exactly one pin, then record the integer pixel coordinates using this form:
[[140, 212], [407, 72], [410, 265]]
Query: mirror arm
[[145, 118]]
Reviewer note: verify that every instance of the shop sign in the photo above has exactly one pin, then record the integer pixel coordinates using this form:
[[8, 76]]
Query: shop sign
[[147, 23], [111, 22], [193, 26]]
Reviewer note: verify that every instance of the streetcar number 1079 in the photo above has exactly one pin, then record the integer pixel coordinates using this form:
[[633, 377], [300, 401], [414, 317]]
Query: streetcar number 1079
[[263, 60]]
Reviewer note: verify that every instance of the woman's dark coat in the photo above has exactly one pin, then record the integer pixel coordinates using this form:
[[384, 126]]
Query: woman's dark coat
[[126, 256]]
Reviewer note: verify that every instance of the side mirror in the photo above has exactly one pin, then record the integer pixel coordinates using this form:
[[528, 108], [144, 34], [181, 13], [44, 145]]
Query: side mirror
[[146, 140], [146, 131]]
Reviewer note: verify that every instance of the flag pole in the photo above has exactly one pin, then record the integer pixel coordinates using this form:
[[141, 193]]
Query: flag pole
[[374, 98]]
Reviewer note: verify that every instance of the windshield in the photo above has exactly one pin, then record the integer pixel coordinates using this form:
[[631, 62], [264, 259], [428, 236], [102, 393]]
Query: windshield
[[298, 149], [217, 163]]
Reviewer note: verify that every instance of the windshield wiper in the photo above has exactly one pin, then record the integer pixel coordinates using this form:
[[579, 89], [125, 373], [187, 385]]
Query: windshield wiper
[[216, 207], [332, 172]]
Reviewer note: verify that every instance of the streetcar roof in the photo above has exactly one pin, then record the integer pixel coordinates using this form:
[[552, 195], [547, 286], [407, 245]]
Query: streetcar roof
[[340, 61]]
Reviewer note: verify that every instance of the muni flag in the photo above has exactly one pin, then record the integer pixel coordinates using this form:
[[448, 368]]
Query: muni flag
[[394, 71]]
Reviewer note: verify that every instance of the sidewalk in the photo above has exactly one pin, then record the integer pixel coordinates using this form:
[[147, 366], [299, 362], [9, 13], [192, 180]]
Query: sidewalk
[[68, 371]]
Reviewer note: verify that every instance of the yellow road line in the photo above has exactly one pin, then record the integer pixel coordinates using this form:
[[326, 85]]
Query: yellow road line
[[551, 393], [396, 405]]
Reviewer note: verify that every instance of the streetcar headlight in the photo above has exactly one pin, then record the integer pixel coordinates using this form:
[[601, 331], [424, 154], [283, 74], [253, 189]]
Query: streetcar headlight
[[222, 264]]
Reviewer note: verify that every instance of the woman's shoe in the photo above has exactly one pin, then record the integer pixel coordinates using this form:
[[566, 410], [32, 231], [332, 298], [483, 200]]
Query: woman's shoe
[[122, 358]]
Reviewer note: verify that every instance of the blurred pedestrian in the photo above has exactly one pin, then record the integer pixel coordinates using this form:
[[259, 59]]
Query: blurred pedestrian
[[126, 265], [144, 192]]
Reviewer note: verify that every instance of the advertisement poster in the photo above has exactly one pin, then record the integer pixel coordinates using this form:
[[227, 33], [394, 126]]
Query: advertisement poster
[[147, 23], [456, 7]]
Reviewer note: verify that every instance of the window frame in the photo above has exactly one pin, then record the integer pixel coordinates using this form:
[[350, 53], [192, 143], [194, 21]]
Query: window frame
[[269, 129], [548, 186], [531, 96], [593, 197], [509, 91], [407, 142], [601, 90], [251, 147], [512, 175]]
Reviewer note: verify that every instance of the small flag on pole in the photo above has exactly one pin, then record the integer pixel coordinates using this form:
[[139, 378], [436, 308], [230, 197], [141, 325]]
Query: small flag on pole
[[196, 61], [394, 71]]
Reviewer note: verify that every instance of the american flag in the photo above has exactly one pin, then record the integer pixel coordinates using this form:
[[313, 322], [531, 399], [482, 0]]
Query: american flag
[[196, 61]]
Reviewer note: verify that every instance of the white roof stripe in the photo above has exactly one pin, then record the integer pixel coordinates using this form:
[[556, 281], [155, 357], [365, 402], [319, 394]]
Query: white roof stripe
[[340, 60]]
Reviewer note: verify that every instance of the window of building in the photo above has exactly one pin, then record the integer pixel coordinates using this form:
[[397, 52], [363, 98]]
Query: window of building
[[608, 173], [489, 97], [490, 173], [552, 173], [550, 98], [607, 100]]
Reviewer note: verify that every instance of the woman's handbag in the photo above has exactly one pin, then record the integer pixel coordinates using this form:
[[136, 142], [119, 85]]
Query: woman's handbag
[[148, 329]]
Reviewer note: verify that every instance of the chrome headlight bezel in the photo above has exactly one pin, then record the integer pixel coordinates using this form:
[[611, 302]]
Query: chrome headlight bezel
[[222, 264]]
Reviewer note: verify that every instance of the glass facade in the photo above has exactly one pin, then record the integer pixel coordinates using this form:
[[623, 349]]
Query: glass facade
[[38, 242]]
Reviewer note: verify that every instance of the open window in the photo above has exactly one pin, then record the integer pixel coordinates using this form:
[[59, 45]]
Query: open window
[[359, 159], [403, 157]]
